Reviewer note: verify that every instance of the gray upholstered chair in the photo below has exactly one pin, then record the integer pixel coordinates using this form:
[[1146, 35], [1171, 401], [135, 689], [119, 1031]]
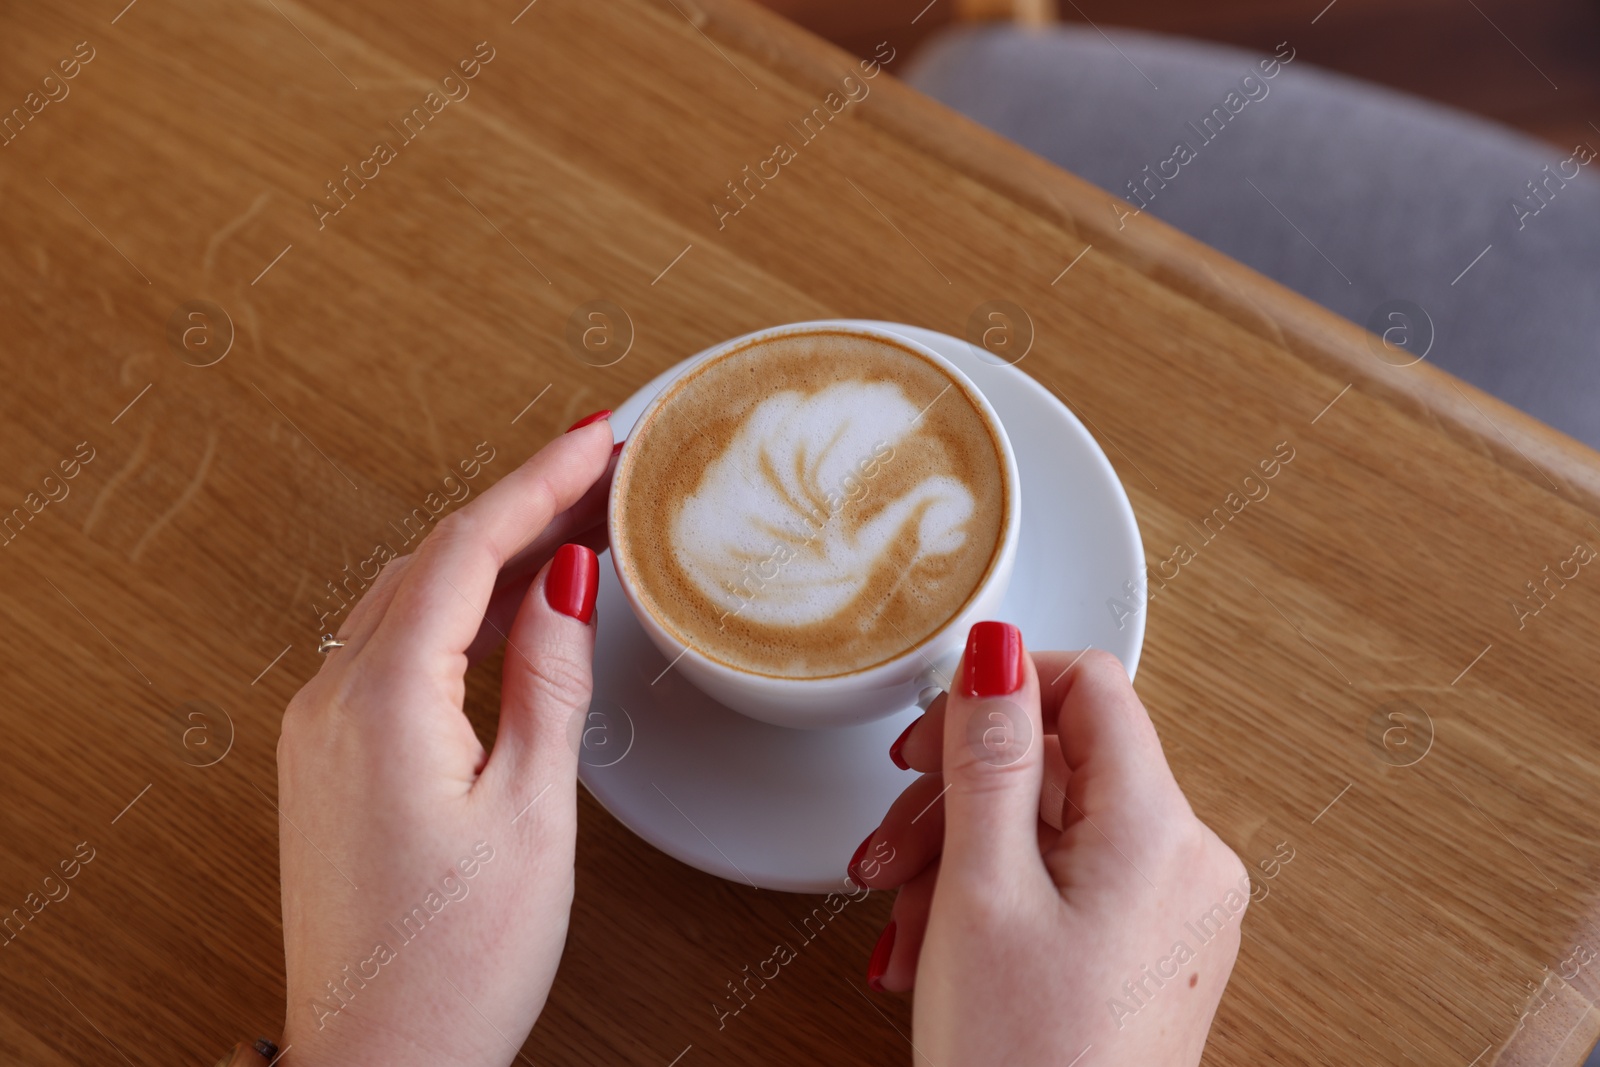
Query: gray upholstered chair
[[1350, 194]]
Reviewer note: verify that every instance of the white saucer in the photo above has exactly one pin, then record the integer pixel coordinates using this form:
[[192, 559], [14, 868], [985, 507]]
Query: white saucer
[[784, 809]]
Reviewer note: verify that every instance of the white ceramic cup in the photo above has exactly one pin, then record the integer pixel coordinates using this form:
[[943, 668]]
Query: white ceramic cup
[[859, 696]]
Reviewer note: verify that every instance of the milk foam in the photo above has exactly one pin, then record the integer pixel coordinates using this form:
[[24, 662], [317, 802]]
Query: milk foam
[[773, 532], [810, 505]]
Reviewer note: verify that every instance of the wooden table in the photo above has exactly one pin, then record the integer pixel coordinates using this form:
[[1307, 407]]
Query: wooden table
[[165, 605]]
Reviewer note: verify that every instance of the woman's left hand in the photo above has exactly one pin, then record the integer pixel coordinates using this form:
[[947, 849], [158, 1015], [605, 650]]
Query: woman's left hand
[[427, 884]]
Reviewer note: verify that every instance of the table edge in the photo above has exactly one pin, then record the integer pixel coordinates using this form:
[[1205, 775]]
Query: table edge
[[1539, 454]]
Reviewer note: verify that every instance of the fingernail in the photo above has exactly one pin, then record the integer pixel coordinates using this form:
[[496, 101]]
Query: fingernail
[[572, 581], [604, 413], [993, 660], [899, 743], [616, 449], [880, 958], [861, 853]]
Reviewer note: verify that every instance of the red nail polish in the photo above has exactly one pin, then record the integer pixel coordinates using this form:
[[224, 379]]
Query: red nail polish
[[616, 449], [861, 854], [572, 581], [900, 743], [879, 962], [587, 419], [993, 660]]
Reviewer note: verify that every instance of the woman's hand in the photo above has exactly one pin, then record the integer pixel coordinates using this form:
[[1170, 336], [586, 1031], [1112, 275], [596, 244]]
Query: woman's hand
[[1058, 898], [427, 885]]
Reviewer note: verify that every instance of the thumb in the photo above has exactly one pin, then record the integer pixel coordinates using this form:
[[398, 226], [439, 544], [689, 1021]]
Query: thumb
[[993, 759], [548, 677]]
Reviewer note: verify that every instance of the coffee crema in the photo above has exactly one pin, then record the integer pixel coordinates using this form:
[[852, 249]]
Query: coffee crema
[[811, 505]]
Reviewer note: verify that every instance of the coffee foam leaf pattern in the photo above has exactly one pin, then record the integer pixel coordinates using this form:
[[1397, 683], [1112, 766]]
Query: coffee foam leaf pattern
[[788, 525]]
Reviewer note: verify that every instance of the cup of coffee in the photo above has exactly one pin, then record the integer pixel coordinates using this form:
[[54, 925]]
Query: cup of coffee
[[807, 520]]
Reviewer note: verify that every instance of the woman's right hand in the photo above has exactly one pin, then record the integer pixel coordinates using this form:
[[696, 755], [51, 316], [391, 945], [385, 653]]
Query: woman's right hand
[[1059, 901]]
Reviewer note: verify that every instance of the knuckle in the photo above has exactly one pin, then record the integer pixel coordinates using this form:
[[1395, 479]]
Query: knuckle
[[555, 674], [544, 495], [972, 773], [1191, 852], [1230, 869], [389, 573], [1168, 843], [1101, 664], [879, 860], [295, 713], [1105, 677], [1187, 841], [290, 731], [459, 525]]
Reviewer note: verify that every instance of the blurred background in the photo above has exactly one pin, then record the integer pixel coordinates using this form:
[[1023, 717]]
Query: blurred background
[[1426, 170], [1447, 51]]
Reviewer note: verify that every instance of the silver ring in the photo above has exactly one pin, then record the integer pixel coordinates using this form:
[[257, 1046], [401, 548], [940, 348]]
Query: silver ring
[[328, 644]]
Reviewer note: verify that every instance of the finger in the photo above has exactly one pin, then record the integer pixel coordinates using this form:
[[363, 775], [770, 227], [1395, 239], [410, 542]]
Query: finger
[[547, 682], [1107, 739], [584, 523], [908, 839], [1059, 670], [1053, 807], [921, 746], [368, 612], [1055, 678], [507, 599], [992, 758], [438, 609], [910, 916]]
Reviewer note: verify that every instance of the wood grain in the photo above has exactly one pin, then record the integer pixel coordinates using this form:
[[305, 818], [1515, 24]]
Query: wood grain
[[1424, 903]]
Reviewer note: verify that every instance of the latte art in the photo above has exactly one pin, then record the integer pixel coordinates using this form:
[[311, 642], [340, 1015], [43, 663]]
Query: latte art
[[774, 531], [810, 505]]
